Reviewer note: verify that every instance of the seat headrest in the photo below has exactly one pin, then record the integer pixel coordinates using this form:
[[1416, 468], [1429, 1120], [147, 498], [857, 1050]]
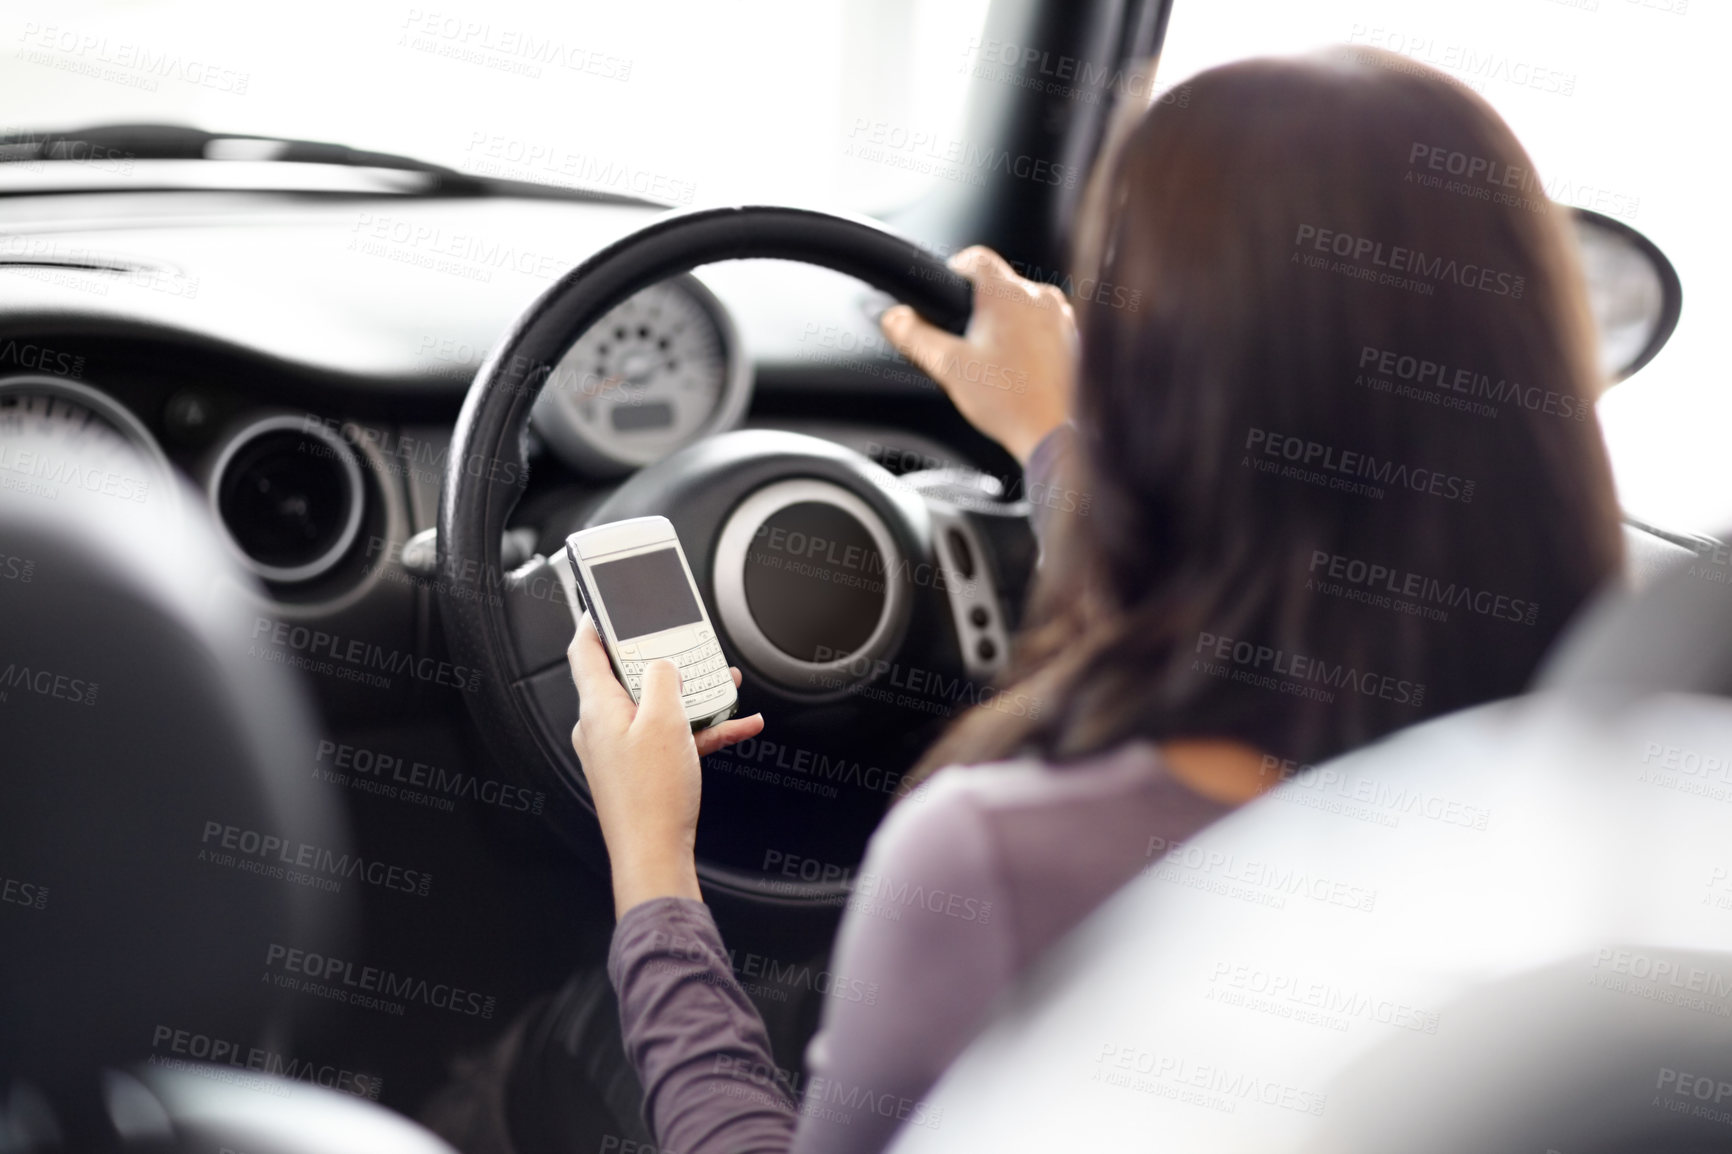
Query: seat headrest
[[152, 784], [1671, 634], [1544, 878]]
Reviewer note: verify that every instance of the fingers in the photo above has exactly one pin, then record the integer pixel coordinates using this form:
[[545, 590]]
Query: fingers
[[979, 263], [734, 672], [995, 280], [929, 347], [598, 690], [659, 701], [728, 732]]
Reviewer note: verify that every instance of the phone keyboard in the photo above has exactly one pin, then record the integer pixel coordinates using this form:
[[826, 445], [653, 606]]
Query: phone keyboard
[[702, 669]]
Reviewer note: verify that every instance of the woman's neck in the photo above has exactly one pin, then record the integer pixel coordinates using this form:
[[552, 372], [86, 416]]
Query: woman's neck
[[1229, 772]]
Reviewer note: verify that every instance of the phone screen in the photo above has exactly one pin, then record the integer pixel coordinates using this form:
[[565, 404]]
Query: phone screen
[[646, 593]]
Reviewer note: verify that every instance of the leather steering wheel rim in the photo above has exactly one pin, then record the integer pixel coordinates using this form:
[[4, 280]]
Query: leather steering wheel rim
[[486, 468]]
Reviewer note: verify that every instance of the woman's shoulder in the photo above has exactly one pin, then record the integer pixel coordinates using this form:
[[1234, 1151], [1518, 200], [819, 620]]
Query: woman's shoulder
[[1043, 843], [957, 809], [1031, 780]]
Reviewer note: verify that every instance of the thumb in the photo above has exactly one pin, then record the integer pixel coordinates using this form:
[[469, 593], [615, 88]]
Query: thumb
[[660, 698]]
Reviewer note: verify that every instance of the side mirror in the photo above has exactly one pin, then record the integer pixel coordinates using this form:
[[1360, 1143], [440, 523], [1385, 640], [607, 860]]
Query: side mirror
[[1633, 289]]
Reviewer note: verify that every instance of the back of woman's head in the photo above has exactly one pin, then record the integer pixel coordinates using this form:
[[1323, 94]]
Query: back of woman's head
[[1335, 432]]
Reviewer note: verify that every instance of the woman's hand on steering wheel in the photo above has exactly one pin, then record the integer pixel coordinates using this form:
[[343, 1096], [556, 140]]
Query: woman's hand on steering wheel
[[641, 760], [1013, 374]]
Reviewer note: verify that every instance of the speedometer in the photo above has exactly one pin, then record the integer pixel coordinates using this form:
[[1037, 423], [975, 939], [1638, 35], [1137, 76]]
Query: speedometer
[[660, 371], [59, 438]]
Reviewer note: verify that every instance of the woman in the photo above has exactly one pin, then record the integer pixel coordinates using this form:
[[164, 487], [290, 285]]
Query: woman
[[1340, 477]]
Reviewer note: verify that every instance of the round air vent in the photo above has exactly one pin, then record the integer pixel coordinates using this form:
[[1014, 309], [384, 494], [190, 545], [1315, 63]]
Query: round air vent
[[288, 495]]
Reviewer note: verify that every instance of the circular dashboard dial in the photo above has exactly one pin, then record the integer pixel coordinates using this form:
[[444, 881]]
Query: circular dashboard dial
[[78, 440], [658, 372]]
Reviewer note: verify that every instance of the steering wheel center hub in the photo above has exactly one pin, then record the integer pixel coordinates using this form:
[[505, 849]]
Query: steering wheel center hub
[[807, 584]]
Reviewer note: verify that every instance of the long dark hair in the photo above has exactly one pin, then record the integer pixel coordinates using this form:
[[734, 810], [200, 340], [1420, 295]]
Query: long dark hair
[[1335, 438]]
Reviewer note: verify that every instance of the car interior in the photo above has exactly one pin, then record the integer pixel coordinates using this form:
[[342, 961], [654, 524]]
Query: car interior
[[292, 830]]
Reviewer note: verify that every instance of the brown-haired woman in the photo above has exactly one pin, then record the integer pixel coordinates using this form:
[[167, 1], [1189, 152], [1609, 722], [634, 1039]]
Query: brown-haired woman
[[1331, 426]]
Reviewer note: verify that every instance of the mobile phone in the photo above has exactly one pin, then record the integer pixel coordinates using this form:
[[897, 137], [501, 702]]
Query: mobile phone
[[633, 578]]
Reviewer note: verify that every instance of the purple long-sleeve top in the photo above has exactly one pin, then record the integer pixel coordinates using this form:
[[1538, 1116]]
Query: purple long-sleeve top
[[964, 884]]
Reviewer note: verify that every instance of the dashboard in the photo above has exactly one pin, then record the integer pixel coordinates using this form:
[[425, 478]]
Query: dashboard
[[296, 362]]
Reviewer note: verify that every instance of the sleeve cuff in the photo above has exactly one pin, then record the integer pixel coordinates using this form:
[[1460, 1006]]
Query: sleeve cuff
[[1047, 454], [676, 927], [1041, 475]]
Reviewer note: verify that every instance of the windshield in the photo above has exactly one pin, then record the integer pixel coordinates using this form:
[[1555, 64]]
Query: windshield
[[682, 101], [1618, 102]]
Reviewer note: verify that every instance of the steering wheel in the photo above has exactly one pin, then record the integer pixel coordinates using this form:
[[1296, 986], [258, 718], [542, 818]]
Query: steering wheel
[[828, 577]]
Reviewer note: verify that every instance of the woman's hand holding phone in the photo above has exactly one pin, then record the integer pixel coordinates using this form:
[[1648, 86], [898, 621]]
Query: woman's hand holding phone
[[642, 764], [1013, 374]]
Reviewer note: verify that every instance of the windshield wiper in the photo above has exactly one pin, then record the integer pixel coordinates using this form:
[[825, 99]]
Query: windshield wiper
[[183, 142]]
